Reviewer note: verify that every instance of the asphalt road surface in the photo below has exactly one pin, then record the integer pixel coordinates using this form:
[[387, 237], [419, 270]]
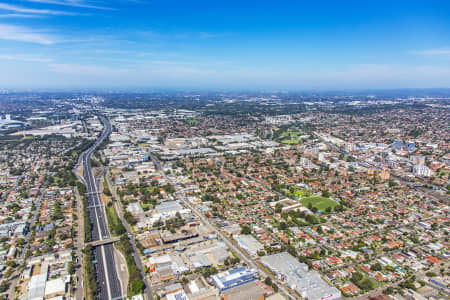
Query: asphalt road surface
[[137, 258], [105, 268]]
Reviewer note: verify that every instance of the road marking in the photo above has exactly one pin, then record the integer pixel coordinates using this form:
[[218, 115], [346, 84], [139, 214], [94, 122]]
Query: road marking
[[95, 198]]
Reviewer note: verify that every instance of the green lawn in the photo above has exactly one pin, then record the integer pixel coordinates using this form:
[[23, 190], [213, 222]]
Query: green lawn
[[320, 203], [146, 206], [299, 193], [291, 141], [191, 121], [291, 137], [29, 137], [291, 133]]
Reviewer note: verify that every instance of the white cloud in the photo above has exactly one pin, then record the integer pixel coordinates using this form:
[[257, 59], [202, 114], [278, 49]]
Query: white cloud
[[432, 52], [23, 34], [211, 35], [207, 35], [86, 70], [25, 10], [14, 15], [25, 58], [72, 3]]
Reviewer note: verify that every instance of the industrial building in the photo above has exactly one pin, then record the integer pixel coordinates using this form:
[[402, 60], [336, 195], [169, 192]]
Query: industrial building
[[249, 244], [297, 276], [233, 278], [252, 290], [169, 209]]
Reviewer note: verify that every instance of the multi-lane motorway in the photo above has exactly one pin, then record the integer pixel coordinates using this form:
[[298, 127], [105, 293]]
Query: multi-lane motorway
[[136, 255], [106, 274]]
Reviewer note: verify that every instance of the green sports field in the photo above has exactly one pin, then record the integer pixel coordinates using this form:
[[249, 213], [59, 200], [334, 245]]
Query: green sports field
[[291, 142], [291, 137], [320, 203], [191, 121]]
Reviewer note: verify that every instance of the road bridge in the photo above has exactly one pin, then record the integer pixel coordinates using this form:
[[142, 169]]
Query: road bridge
[[104, 241]]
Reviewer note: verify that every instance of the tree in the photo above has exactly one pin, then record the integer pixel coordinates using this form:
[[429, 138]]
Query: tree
[[392, 183], [130, 218], [268, 281], [209, 271], [339, 208], [275, 287], [376, 267], [71, 268], [245, 229], [106, 189], [325, 193], [356, 277], [278, 207], [431, 274], [137, 287], [11, 263], [4, 286]]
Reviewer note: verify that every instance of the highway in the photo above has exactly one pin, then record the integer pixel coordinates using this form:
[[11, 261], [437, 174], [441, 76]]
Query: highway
[[108, 283], [136, 254]]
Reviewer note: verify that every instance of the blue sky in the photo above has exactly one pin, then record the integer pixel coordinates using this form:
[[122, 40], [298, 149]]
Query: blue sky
[[211, 44]]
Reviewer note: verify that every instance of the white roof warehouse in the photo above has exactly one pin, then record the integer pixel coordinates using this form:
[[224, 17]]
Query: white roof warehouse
[[308, 284]]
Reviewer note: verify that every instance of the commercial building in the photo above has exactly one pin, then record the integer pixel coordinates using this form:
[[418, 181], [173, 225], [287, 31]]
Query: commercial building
[[169, 209], [410, 146], [36, 287], [397, 145], [296, 275], [249, 243], [407, 145], [56, 287], [233, 278], [422, 171], [9, 229], [180, 295], [199, 289], [195, 152], [247, 291]]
